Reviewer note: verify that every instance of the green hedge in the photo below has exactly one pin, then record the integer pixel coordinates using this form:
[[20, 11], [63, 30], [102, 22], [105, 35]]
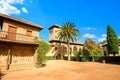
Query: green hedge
[[112, 59], [50, 57], [108, 59], [72, 58]]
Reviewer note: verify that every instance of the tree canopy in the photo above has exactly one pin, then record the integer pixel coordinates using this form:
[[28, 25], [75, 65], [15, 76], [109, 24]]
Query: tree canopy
[[68, 33], [91, 47], [112, 41]]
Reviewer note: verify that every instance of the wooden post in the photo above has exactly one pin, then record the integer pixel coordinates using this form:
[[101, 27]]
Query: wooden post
[[8, 60]]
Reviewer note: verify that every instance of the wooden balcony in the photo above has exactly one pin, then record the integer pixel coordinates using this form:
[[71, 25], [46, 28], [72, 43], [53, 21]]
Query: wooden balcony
[[15, 37]]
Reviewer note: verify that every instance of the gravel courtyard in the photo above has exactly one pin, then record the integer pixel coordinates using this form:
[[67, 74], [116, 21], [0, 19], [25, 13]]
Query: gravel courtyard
[[66, 70]]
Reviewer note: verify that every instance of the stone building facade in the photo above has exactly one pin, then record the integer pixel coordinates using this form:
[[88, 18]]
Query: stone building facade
[[59, 49], [17, 41]]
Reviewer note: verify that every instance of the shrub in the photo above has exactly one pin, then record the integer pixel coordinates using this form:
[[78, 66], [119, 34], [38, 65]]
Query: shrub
[[42, 49], [77, 55], [50, 58], [85, 56]]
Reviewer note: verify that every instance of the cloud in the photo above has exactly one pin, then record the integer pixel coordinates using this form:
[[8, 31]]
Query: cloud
[[102, 38], [89, 36], [24, 10], [104, 35], [15, 1], [8, 9], [6, 6], [89, 28]]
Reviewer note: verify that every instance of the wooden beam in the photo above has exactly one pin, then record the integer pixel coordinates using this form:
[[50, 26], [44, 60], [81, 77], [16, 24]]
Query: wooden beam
[[8, 59]]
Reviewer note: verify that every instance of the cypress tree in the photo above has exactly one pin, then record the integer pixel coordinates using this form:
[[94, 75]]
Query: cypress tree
[[112, 41]]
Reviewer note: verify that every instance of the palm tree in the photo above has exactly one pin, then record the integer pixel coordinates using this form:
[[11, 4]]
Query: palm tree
[[68, 33]]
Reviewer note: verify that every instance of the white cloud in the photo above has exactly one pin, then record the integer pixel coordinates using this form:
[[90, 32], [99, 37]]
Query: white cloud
[[15, 1], [89, 28], [6, 6], [24, 10], [89, 36], [102, 38], [104, 35]]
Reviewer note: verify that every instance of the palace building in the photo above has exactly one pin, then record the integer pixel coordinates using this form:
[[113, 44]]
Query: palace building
[[59, 48]]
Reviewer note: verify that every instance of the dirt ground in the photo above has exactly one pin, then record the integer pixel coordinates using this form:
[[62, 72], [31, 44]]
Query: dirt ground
[[66, 70]]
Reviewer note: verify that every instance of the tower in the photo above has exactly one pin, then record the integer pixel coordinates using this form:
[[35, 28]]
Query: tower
[[53, 30]]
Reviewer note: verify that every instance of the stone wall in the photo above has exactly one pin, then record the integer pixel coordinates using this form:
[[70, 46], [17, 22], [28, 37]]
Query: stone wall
[[56, 48], [20, 54], [21, 29]]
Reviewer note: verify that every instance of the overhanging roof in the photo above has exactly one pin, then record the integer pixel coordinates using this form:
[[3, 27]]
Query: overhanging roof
[[74, 43], [20, 20], [55, 25]]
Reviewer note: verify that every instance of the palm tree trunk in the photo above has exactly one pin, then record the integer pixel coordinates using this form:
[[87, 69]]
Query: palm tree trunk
[[68, 51], [61, 49]]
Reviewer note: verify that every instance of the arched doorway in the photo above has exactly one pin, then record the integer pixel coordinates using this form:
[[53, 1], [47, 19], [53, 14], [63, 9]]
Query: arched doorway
[[74, 49], [64, 49]]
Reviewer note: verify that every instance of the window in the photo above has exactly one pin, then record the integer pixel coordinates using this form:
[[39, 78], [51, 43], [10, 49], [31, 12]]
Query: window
[[29, 33]]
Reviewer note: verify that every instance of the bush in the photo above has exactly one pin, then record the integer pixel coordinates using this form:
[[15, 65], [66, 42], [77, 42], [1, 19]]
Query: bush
[[77, 55], [112, 59], [72, 58], [50, 58], [42, 49], [85, 56], [108, 59]]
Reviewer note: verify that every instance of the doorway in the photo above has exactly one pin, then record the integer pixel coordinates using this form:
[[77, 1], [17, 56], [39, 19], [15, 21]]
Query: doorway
[[12, 33]]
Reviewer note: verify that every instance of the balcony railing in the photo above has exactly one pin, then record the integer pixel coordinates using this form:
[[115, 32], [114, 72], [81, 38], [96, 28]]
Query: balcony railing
[[4, 35]]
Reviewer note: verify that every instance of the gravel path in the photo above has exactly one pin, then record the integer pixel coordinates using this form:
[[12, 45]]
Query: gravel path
[[66, 70]]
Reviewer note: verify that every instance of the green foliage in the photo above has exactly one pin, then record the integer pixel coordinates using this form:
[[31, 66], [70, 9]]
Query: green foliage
[[90, 48], [42, 49], [72, 58], [108, 59], [112, 40], [78, 54], [86, 54], [50, 58], [67, 33]]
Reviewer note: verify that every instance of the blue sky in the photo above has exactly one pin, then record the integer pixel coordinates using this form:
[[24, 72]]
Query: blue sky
[[90, 16]]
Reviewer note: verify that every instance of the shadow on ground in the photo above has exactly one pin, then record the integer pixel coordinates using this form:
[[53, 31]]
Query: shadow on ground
[[1, 75]]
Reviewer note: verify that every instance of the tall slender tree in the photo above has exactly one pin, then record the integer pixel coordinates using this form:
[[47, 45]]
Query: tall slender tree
[[112, 40], [68, 33]]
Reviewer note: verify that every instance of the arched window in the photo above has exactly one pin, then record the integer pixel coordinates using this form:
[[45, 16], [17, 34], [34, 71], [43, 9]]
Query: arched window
[[64, 50]]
